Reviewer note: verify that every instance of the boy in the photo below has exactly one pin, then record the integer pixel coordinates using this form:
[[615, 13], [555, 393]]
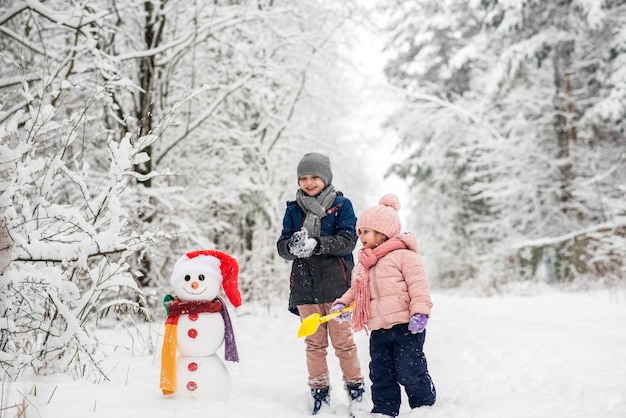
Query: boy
[[319, 236]]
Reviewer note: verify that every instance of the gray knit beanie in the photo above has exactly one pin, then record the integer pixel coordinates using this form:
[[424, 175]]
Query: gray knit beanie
[[316, 164]]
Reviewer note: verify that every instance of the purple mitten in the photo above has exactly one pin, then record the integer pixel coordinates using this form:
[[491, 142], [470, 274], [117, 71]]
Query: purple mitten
[[418, 323], [345, 316]]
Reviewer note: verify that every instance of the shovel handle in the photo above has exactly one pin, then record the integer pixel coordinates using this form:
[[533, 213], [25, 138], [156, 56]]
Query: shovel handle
[[332, 315]]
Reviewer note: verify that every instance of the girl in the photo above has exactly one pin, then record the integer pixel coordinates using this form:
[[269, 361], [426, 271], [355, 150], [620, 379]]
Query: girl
[[392, 300], [319, 236]]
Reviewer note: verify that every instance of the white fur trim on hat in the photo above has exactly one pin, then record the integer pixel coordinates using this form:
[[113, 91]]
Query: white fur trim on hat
[[210, 264]]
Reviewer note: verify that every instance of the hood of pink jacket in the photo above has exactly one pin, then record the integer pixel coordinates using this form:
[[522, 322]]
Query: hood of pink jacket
[[409, 239]]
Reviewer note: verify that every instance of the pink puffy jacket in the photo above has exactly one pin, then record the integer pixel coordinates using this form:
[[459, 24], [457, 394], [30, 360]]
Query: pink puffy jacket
[[398, 287]]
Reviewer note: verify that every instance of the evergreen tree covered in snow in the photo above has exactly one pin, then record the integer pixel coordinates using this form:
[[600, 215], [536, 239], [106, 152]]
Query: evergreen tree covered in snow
[[514, 129]]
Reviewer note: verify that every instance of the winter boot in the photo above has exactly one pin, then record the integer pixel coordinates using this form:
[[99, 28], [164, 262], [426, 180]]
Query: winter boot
[[355, 391], [321, 396], [357, 407]]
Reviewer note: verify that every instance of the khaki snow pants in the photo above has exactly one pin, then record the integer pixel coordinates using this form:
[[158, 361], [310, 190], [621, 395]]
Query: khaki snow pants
[[316, 345]]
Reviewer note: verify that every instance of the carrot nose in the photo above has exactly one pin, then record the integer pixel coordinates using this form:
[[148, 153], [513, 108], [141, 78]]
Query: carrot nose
[[194, 285]]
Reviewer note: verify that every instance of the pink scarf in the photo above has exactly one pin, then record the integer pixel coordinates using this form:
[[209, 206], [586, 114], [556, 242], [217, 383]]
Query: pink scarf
[[368, 257]]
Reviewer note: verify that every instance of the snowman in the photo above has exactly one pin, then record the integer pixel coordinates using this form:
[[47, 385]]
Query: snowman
[[198, 324]]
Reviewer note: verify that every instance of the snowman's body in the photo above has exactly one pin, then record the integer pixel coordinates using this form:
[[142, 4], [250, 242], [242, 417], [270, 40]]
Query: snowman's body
[[200, 373], [200, 335], [200, 327], [202, 378]]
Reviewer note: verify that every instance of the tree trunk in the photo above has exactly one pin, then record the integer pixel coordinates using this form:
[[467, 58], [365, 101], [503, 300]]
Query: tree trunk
[[152, 29], [562, 63], [147, 77]]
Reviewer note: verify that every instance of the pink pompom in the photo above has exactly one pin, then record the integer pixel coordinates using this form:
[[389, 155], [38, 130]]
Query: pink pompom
[[390, 200]]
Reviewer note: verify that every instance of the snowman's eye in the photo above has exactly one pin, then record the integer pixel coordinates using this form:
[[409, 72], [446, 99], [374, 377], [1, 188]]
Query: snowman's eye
[[201, 277], [187, 277]]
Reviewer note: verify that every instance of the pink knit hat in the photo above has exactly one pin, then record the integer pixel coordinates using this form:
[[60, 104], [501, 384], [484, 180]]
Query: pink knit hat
[[383, 217]]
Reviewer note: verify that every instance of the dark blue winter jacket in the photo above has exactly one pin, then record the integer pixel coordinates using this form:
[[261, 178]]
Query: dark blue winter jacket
[[326, 275]]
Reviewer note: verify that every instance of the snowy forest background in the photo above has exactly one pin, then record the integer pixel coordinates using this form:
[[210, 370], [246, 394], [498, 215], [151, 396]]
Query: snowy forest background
[[134, 131]]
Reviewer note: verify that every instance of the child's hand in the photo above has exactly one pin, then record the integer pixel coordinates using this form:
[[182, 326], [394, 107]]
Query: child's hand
[[418, 323], [345, 316], [301, 245], [298, 238]]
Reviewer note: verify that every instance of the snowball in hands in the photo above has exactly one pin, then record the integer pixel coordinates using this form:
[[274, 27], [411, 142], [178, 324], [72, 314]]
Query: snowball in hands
[[301, 245]]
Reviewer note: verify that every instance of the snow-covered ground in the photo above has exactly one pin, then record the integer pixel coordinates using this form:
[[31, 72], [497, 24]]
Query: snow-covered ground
[[548, 355]]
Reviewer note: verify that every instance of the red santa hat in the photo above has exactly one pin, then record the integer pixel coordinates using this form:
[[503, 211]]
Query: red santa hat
[[219, 263]]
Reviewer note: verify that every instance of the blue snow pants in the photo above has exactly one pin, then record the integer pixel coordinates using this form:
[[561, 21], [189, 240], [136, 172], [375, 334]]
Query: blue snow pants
[[397, 358]]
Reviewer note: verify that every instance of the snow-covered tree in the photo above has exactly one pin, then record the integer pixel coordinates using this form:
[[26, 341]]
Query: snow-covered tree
[[514, 126], [131, 133]]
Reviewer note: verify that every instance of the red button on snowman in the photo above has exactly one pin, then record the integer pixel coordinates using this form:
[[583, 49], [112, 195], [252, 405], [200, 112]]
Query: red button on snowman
[[198, 324]]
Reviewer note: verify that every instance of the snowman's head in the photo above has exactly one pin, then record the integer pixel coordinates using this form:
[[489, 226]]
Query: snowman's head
[[198, 275], [198, 278]]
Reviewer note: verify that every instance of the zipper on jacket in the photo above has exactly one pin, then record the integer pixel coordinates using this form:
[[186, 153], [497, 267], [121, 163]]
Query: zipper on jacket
[[343, 268], [375, 284]]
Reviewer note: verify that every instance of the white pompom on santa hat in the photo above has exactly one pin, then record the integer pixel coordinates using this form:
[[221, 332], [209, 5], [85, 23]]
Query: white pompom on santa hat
[[219, 264]]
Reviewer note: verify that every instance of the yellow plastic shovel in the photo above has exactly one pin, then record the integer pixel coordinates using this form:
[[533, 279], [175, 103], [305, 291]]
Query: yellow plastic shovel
[[311, 323]]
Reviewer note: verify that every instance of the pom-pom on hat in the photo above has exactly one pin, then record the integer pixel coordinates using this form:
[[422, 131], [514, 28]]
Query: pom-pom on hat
[[383, 217], [218, 263], [316, 164]]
